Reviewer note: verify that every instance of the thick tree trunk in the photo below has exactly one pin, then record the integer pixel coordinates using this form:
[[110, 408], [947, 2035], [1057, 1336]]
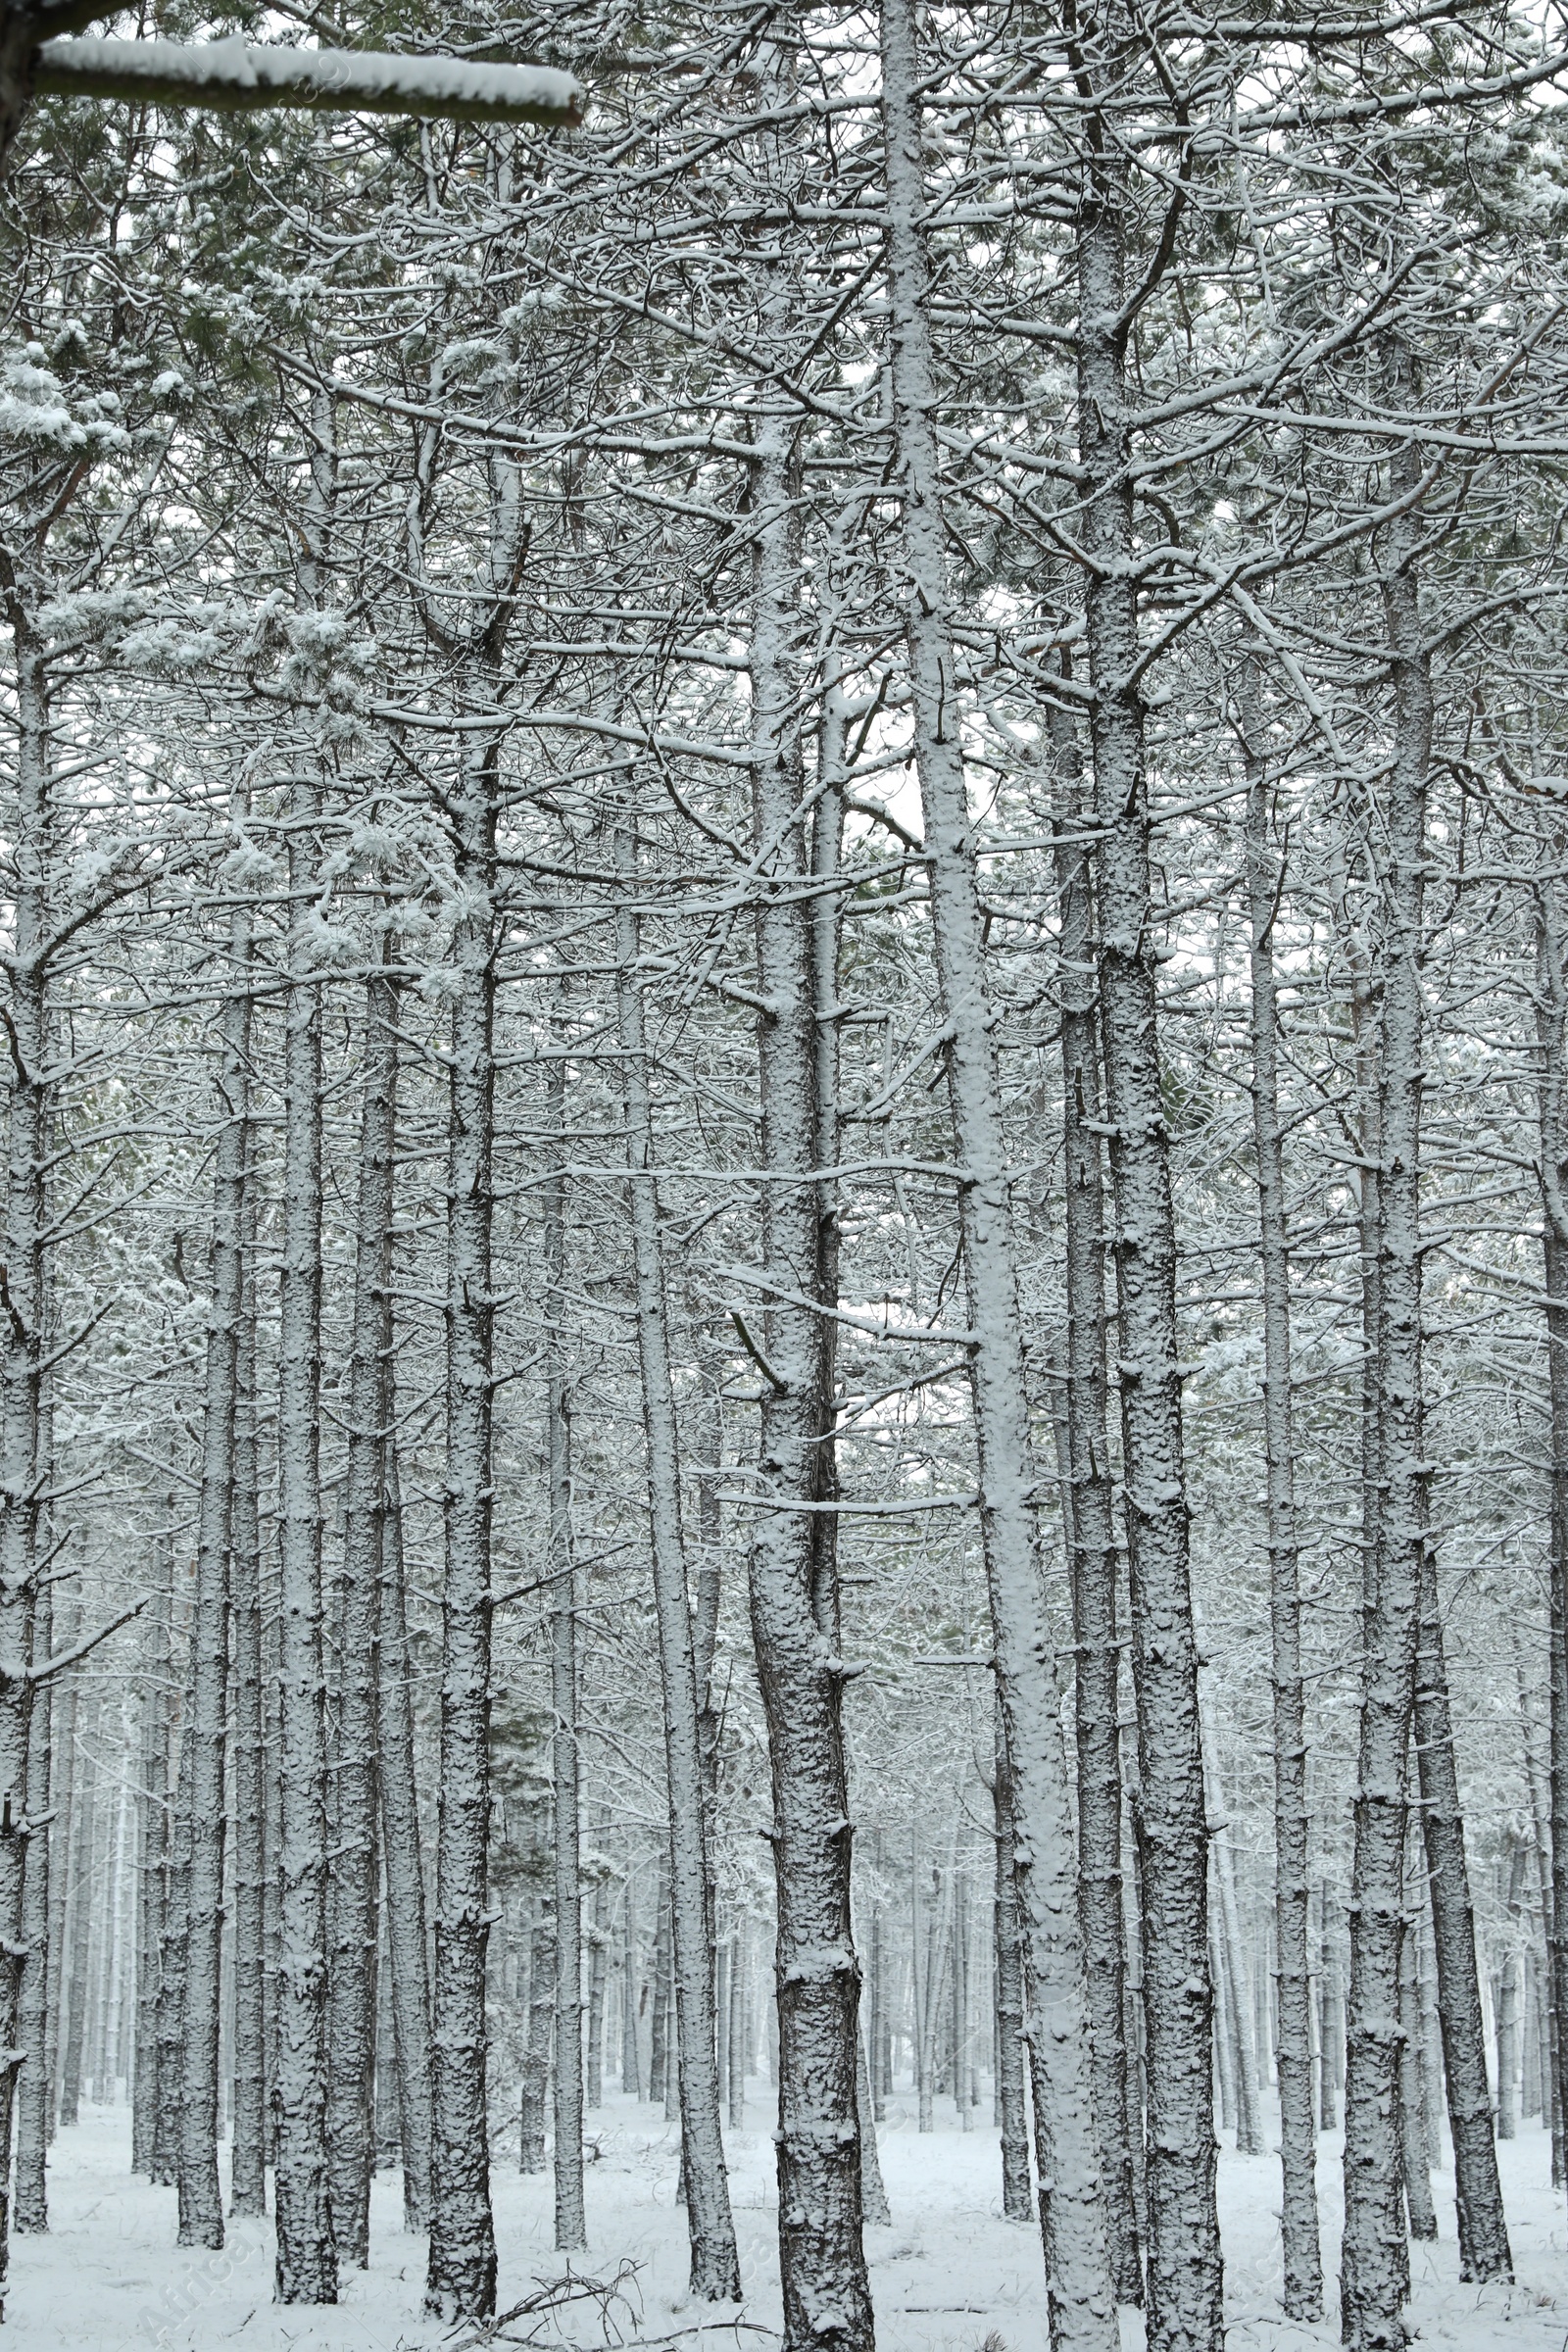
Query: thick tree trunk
[[200, 2196], [1079, 2284], [715, 2262], [355, 1871], [1302, 2295]]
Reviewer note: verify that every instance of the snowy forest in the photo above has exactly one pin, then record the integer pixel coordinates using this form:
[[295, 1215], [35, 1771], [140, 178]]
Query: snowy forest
[[784, 1361]]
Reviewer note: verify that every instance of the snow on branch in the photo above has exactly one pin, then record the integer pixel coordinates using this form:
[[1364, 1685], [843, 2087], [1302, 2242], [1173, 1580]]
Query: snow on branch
[[233, 73]]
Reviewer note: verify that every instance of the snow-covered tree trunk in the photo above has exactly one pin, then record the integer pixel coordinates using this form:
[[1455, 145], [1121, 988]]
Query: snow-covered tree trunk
[[1374, 2276], [1079, 2285], [306, 2260], [30, 2207], [23, 1474], [462, 2277], [714, 2261], [1184, 2272], [1012, 2090], [1090, 1517], [152, 1796], [572, 2234], [355, 1872], [1302, 2294], [406, 1948], [793, 1583], [248, 2193], [1483, 2229], [1552, 1086], [200, 2196]]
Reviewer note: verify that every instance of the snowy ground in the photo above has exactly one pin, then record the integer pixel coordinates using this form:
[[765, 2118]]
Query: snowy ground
[[950, 2276]]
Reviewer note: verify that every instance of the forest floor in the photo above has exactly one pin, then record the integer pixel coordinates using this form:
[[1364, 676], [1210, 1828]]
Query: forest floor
[[950, 2276]]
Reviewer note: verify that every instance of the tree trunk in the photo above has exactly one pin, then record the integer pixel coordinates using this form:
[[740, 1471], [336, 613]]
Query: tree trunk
[[1079, 2285], [1017, 2194], [1184, 2272], [406, 1949], [355, 1873], [307, 2259], [462, 2277], [715, 2262], [1090, 1523], [1484, 2250], [1302, 2294], [571, 2229], [249, 2151], [793, 1585], [201, 2196], [1374, 2278], [25, 1472]]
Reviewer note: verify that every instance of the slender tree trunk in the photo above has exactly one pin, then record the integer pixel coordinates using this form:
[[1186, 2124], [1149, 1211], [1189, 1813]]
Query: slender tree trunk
[[1091, 1524], [1415, 2152], [461, 2278], [31, 2210], [1017, 2194], [571, 2229], [172, 1955], [1184, 2272], [25, 1472], [533, 2096], [248, 2195], [1079, 2284], [355, 1871], [307, 2258], [793, 1594], [715, 2262], [1302, 2295], [1374, 2278], [200, 2196], [83, 1856], [406, 1948], [1484, 2250], [152, 1799], [1551, 1040]]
